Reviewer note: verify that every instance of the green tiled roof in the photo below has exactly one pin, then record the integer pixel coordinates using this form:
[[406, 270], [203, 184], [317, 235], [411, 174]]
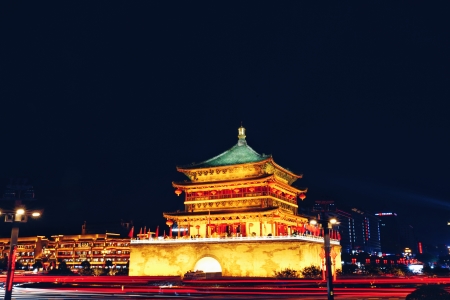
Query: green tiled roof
[[241, 153]]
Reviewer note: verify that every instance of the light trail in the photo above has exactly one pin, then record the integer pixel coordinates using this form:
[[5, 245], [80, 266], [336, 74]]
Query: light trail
[[130, 287]]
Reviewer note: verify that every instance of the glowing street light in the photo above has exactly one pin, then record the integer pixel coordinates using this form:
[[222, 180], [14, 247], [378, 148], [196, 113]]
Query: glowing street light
[[16, 192]]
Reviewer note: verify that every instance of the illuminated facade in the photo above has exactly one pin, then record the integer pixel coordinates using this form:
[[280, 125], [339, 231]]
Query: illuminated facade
[[28, 249], [73, 249], [94, 248], [240, 211]]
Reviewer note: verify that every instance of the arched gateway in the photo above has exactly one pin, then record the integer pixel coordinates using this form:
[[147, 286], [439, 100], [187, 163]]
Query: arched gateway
[[208, 265]]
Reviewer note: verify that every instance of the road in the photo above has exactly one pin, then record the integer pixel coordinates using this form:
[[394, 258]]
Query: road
[[128, 287]]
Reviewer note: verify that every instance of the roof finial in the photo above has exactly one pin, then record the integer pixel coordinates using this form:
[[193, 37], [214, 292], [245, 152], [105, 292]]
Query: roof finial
[[241, 136]]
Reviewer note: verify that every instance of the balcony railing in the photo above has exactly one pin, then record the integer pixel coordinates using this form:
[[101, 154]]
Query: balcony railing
[[241, 194], [310, 238]]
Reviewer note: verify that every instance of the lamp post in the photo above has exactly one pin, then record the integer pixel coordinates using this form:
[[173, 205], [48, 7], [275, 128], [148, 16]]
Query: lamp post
[[16, 192], [324, 207]]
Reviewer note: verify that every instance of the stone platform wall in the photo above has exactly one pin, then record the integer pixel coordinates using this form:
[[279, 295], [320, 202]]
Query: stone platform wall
[[247, 258]]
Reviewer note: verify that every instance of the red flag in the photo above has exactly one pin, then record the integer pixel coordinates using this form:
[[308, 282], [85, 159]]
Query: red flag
[[140, 231], [157, 232], [131, 233], [149, 234]]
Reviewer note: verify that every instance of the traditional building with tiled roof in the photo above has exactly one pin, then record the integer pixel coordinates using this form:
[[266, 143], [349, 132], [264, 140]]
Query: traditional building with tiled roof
[[238, 198]]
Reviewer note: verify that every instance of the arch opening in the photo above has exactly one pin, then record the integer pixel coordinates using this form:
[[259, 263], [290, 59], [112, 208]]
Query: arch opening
[[208, 265]]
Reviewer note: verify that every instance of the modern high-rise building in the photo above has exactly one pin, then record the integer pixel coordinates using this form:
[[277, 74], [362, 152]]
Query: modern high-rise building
[[360, 230], [395, 234]]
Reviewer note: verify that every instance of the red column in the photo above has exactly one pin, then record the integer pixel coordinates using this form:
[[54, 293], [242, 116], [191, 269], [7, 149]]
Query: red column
[[244, 229]]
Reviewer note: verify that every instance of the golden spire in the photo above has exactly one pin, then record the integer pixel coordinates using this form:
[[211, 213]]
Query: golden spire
[[241, 136]]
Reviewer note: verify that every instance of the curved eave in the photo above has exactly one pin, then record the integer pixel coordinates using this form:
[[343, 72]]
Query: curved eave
[[284, 170], [240, 198], [284, 186], [206, 184], [211, 185], [183, 170], [213, 215]]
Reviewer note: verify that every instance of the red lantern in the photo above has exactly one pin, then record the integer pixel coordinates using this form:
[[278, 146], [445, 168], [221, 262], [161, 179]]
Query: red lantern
[[213, 192], [252, 189], [178, 192], [170, 223], [302, 196], [236, 191], [199, 193]]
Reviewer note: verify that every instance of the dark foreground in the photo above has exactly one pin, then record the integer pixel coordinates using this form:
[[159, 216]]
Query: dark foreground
[[144, 287]]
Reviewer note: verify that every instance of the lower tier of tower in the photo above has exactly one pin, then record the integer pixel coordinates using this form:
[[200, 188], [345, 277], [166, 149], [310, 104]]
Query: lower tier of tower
[[247, 257]]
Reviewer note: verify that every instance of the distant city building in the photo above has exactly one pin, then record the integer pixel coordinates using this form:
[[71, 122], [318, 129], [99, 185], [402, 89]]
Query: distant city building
[[396, 235], [390, 233], [360, 230]]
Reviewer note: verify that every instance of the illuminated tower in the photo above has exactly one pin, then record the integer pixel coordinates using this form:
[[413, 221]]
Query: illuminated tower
[[238, 193], [240, 218]]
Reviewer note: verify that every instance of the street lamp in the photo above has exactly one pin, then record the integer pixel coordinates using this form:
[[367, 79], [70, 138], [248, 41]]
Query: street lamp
[[19, 214], [323, 207], [16, 217]]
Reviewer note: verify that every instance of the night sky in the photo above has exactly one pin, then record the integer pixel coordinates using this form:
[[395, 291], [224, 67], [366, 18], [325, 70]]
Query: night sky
[[100, 101]]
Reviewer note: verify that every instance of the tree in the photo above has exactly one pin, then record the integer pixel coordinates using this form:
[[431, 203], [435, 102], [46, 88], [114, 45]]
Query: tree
[[108, 264], [37, 265], [85, 268], [62, 265], [372, 270], [312, 272], [434, 292], [349, 268], [62, 269], [86, 265], [97, 272], [287, 273], [396, 271], [4, 262]]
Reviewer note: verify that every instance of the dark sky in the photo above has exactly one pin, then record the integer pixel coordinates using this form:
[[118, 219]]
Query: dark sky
[[101, 100]]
